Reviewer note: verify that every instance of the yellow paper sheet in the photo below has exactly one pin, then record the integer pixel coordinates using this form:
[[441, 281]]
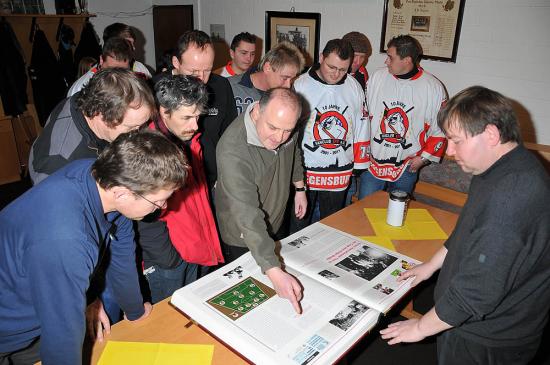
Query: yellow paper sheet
[[380, 241], [419, 225], [143, 353]]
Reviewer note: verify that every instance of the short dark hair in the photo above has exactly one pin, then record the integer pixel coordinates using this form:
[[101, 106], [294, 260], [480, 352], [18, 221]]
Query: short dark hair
[[118, 48], [407, 46], [119, 30], [242, 37], [284, 53], [342, 48], [472, 109], [197, 37], [174, 91], [141, 161], [290, 97], [164, 62], [110, 92]]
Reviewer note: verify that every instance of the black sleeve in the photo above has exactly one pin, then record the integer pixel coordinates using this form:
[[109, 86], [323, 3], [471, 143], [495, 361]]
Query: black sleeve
[[154, 240], [231, 109]]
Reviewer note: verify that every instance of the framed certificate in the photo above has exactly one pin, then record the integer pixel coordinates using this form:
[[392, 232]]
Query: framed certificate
[[434, 23], [301, 29]]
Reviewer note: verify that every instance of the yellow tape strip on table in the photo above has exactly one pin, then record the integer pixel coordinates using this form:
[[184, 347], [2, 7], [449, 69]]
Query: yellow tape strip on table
[[143, 353], [419, 225]]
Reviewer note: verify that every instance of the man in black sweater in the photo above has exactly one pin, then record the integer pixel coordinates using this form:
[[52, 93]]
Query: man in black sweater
[[493, 292]]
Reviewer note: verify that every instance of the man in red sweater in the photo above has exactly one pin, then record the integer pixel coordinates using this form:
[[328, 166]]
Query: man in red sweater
[[179, 238]]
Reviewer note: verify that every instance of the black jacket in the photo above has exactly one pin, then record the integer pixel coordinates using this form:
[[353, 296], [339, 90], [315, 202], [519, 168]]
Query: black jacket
[[13, 78], [48, 84]]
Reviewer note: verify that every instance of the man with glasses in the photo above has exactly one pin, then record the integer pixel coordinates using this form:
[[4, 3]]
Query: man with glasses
[[278, 68], [179, 238], [493, 289], [114, 101], [335, 135], [195, 57], [81, 215]]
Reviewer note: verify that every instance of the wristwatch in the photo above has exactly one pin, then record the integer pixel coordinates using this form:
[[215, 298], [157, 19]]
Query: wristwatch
[[303, 188]]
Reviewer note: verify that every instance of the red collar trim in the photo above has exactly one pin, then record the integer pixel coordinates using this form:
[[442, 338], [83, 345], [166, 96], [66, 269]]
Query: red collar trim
[[229, 68], [418, 74]]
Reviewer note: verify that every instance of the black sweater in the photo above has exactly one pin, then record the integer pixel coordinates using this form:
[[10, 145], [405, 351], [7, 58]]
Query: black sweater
[[494, 285]]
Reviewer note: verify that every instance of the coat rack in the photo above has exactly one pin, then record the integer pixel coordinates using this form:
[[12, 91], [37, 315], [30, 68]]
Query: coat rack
[[17, 134]]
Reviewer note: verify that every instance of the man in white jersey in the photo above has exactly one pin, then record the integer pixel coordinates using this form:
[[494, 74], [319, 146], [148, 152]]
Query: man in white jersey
[[335, 136], [402, 101]]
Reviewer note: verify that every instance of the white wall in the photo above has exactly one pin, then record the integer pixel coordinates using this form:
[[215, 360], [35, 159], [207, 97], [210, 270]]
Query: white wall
[[504, 44], [136, 13]]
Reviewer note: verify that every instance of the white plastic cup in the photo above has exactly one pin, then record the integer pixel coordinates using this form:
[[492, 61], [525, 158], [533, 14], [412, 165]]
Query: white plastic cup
[[396, 208]]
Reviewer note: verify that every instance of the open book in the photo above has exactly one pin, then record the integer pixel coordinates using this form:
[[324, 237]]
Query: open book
[[347, 284]]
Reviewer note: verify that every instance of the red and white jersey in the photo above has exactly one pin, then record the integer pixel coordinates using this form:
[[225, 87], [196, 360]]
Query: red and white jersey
[[336, 133], [227, 70], [403, 121]]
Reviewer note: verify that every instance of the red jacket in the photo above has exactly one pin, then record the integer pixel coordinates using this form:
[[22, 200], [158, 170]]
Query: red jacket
[[188, 215]]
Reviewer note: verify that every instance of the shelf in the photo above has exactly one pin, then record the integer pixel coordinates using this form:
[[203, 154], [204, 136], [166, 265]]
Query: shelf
[[83, 15]]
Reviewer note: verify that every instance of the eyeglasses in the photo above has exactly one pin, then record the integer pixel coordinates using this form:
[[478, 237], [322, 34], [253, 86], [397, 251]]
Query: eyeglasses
[[336, 69], [155, 204]]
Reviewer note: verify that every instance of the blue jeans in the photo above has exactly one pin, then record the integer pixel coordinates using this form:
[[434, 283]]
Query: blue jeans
[[369, 184], [164, 282], [321, 204]]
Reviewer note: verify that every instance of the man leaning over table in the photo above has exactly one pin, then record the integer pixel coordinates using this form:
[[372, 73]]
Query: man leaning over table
[[176, 240], [258, 160], [493, 291], [54, 237]]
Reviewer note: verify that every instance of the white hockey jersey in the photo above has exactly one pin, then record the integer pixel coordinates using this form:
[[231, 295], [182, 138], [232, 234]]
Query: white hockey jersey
[[336, 133], [403, 121]]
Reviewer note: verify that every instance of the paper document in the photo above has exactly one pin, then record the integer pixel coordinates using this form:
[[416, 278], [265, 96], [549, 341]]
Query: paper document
[[347, 284]]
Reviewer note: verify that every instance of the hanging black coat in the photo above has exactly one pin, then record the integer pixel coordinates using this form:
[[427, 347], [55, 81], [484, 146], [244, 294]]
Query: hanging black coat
[[13, 78], [88, 45], [48, 84], [65, 53]]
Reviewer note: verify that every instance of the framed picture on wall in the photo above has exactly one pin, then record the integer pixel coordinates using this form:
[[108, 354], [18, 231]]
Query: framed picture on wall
[[301, 29], [436, 25]]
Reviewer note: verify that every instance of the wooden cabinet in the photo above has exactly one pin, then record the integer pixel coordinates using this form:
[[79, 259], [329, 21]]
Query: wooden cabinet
[[9, 159], [16, 138], [17, 134]]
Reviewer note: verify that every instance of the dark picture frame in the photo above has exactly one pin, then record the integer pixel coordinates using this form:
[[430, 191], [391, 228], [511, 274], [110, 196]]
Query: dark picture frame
[[302, 29], [436, 26]]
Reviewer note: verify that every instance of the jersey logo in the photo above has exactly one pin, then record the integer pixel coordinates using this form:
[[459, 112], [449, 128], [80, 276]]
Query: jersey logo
[[330, 131], [394, 126], [242, 103]]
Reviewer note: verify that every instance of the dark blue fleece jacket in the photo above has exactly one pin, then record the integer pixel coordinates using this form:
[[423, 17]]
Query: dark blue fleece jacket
[[51, 240]]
